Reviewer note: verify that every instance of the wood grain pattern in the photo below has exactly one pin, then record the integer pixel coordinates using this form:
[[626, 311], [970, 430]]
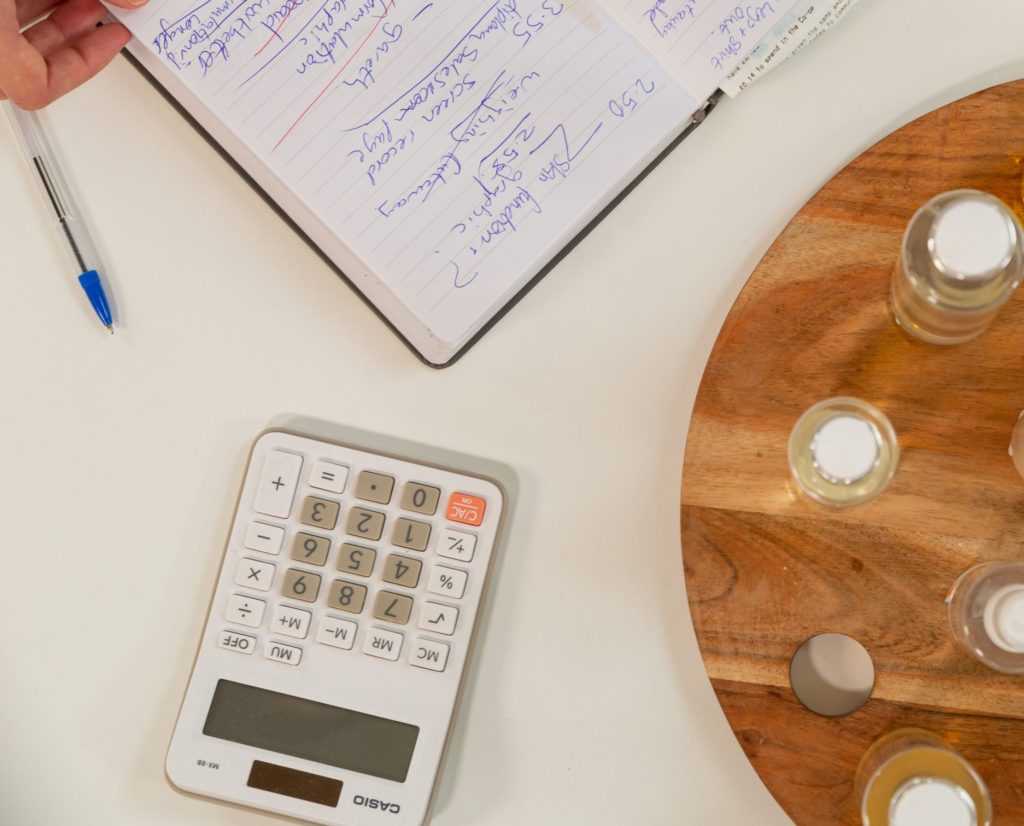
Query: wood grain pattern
[[766, 570]]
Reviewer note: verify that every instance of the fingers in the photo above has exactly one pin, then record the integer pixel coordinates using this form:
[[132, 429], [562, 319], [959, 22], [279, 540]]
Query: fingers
[[68, 22], [127, 4], [29, 10], [33, 80]]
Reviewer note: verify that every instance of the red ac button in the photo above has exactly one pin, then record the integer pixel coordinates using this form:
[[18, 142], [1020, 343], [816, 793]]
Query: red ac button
[[469, 510]]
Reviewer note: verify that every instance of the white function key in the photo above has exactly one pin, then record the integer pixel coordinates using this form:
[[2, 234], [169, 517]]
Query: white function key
[[291, 622], [384, 644], [245, 610], [429, 654], [337, 632], [254, 574], [278, 480], [456, 545], [265, 538], [438, 618], [449, 582], [242, 643], [328, 476], [282, 653]]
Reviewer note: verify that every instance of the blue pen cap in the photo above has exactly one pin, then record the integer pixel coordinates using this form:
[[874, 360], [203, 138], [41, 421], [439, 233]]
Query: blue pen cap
[[90, 282]]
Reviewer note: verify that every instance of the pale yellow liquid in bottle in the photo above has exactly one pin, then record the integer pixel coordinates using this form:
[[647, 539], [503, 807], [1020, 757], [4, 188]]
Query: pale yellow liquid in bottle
[[919, 762]]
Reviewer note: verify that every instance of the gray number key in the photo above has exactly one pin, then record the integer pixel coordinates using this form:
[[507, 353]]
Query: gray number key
[[420, 498], [300, 585], [310, 549], [320, 513], [392, 607], [355, 559], [401, 570], [346, 596], [365, 523], [411, 534], [375, 487]]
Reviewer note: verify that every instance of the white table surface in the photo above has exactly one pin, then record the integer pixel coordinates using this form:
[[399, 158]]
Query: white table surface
[[120, 457]]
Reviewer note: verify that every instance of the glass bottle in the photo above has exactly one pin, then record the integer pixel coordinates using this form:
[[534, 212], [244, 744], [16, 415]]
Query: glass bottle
[[910, 777], [986, 614], [962, 258], [843, 452]]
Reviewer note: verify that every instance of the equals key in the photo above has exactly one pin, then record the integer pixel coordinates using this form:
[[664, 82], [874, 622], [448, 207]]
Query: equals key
[[328, 476]]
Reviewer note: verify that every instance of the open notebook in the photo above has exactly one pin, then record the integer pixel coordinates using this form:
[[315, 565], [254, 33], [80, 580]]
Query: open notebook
[[441, 155]]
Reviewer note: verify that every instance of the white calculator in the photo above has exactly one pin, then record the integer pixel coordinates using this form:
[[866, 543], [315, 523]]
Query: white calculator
[[329, 671]]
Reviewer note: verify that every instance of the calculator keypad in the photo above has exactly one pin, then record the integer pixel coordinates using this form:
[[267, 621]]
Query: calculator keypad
[[240, 643], [466, 508], [365, 523], [402, 570], [300, 585], [264, 538], [449, 582], [429, 654], [392, 607], [441, 619], [456, 545], [278, 480], [320, 513], [292, 622], [355, 559], [244, 610], [384, 644], [337, 632], [375, 487], [347, 596], [282, 653], [255, 574], [311, 549], [383, 576], [411, 534], [420, 498], [328, 476]]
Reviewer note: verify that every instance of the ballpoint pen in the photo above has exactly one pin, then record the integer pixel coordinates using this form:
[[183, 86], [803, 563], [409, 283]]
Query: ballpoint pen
[[57, 196]]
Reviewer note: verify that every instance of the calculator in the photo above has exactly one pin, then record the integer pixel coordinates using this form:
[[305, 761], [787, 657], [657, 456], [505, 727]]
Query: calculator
[[330, 668]]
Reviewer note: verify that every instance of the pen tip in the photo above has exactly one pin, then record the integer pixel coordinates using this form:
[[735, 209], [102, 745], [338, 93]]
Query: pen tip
[[111, 328]]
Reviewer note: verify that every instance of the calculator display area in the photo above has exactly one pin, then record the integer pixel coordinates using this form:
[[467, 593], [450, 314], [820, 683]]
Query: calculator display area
[[310, 730]]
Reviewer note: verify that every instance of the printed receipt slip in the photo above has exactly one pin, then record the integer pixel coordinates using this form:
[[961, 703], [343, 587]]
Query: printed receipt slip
[[340, 630], [442, 154]]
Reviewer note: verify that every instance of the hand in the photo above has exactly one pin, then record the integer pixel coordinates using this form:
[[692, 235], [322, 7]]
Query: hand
[[59, 52]]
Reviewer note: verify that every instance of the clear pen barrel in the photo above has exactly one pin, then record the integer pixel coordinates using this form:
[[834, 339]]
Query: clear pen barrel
[[57, 197]]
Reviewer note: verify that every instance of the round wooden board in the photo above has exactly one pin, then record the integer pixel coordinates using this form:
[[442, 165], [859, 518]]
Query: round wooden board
[[766, 570]]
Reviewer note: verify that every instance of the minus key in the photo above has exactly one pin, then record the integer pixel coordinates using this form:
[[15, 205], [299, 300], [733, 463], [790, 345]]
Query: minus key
[[264, 538]]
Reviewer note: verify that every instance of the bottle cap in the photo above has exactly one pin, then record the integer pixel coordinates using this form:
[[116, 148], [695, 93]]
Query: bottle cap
[[973, 237], [845, 449], [931, 801], [1004, 618]]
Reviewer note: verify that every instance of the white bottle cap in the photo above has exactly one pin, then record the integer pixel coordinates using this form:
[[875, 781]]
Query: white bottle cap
[[1004, 618], [973, 237], [845, 449], [930, 801]]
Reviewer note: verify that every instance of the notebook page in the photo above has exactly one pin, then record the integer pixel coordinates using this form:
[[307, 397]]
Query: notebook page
[[804, 24], [453, 147], [699, 42]]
